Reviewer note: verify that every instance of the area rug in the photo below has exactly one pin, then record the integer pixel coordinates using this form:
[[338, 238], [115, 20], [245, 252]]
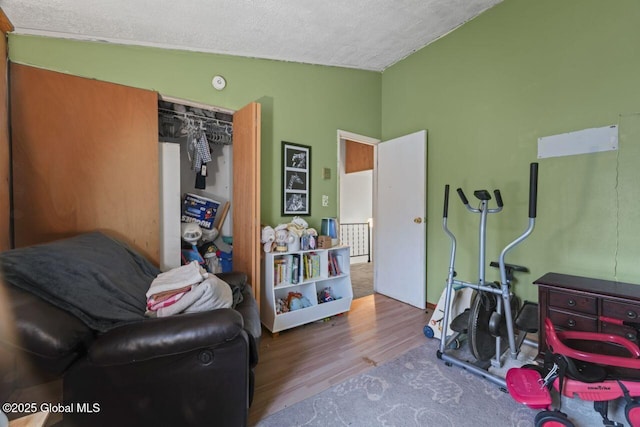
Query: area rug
[[417, 389]]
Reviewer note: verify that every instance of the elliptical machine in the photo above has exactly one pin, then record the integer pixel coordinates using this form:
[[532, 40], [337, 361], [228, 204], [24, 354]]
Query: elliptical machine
[[492, 315]]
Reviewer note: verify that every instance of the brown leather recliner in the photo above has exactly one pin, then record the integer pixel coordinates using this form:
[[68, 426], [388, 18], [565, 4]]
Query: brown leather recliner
[[184, 370]]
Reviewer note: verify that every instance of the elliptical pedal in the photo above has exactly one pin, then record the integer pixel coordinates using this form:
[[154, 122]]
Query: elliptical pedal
[[461, 323], [527, 318]]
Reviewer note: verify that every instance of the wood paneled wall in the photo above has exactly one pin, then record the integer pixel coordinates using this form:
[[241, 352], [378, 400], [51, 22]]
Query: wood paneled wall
[[85, 158], [358, 157]]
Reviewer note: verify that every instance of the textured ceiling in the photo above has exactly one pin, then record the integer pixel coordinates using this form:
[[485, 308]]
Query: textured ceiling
[[363, 34]]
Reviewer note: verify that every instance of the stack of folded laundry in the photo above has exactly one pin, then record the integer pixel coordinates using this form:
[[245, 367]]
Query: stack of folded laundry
[[187, 289]]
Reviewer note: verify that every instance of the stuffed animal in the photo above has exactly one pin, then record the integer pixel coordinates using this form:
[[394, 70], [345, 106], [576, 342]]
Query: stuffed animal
[[293, 241], [285, 237], [326, 295], [282, 234], [268, 238], [313, 235], [281, 306], [297, 226], [191, 232], [296, 301]]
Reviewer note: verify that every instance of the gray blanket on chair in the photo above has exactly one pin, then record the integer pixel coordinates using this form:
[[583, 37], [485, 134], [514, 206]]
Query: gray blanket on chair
[[94, 277]]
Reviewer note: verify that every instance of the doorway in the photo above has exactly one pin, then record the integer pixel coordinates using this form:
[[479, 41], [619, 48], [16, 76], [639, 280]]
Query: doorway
[[357, 160]]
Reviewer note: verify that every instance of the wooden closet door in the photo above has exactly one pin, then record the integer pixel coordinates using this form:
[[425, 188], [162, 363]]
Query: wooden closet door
[[5, 162], [85, 157], [246, 194]]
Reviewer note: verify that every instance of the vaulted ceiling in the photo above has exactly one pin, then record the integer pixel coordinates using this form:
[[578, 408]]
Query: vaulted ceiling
[[362, 34]]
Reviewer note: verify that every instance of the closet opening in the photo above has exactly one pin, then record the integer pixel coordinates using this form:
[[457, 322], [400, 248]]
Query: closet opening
[[196, 158]]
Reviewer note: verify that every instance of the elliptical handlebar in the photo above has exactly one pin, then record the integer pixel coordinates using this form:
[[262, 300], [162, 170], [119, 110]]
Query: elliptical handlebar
[[533, 189], [533, 197], [446, 201], [498, 196], [462, 197]]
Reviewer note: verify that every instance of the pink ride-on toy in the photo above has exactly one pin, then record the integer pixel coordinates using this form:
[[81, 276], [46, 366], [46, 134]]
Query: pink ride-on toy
[[573, 372]]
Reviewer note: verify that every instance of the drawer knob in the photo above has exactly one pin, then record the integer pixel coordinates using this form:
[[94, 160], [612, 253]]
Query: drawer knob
[[571, 303], [571, 323], [630, 336], [631, 314]]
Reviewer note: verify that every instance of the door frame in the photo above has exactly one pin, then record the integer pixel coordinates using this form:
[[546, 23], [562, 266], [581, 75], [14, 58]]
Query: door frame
[[342, 136]]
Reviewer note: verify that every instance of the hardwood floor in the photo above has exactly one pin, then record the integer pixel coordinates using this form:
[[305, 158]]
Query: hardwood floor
[[304, 361]]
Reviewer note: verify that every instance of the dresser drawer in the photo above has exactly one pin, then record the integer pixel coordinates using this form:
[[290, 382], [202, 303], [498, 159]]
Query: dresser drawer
[[624, 331], [620, 310], [573, 321], [573, 302]]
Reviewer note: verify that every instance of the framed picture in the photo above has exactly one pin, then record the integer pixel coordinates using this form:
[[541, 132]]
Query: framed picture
[[296, 174]]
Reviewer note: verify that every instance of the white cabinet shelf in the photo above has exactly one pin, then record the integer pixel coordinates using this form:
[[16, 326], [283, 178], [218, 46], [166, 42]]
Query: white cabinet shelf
[[281, 277]]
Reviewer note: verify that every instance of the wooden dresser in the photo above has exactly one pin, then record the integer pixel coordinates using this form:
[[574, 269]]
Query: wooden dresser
[[576, 303]]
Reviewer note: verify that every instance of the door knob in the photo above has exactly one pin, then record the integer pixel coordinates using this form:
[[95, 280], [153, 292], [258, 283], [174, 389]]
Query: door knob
[[417, 220]]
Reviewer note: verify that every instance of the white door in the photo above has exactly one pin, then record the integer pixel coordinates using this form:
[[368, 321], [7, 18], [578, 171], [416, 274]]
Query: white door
[[400, 219]]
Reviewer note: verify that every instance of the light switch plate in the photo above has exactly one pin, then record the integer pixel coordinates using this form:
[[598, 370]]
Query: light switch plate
[[325, 200]]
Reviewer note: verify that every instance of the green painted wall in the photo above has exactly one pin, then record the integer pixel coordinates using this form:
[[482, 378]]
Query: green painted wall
[[301, 103], [487, 92]]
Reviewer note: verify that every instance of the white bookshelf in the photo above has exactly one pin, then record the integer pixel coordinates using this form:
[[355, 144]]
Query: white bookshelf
[[279, 279]]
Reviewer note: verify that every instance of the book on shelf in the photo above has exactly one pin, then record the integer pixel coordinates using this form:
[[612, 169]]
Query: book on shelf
[[295, 272], [334, 265], [340, 262], [311, 265], [285, 270], [278, 264], [315, 265]]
